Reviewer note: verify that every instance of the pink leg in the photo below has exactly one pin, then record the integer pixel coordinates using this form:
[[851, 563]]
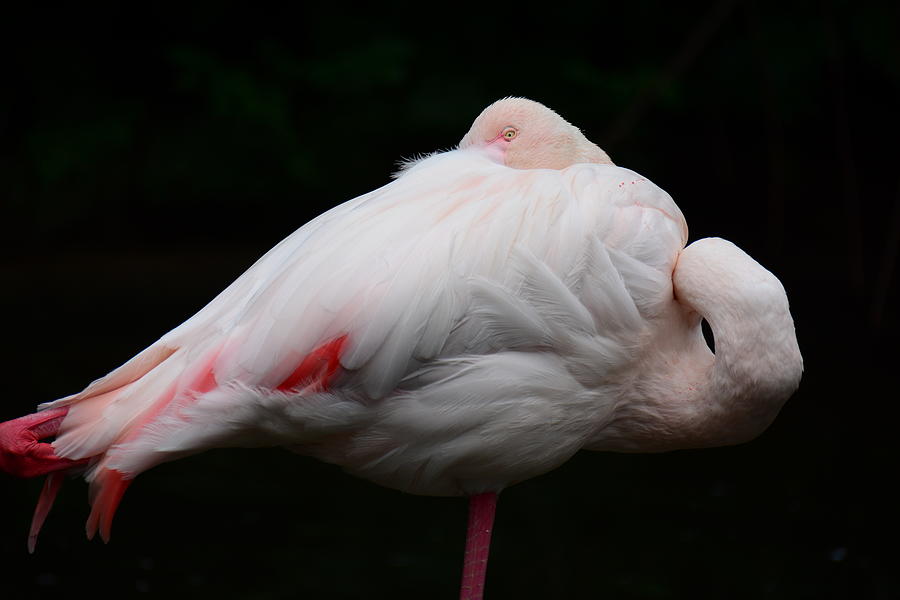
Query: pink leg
[[478, 543]]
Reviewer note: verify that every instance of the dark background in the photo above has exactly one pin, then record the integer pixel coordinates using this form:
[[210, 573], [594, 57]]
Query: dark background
[[147, 159]]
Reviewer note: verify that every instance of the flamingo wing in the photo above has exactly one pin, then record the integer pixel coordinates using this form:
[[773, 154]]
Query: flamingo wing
[[457, 257]]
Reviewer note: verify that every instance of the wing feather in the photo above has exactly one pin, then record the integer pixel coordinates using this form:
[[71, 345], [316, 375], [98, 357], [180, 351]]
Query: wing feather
[[457, 256]]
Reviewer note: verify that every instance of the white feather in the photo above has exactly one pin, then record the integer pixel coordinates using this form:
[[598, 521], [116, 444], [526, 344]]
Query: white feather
[[470, 276]]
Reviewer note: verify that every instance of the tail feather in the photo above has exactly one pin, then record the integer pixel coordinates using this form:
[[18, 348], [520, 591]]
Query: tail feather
[[107, 490], [109, 428], [102, 425], [97, 423], [51, 487], [81, 436]]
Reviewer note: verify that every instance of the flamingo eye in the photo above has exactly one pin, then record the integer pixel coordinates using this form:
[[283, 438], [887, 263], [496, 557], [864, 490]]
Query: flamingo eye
[[509, 133]]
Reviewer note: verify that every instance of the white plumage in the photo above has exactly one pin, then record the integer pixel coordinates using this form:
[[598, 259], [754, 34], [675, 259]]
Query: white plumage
[[471, 324], [474, 306]]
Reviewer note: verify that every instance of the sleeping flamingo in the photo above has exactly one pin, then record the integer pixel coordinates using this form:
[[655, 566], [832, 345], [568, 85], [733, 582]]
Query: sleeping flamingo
[[471, 324]]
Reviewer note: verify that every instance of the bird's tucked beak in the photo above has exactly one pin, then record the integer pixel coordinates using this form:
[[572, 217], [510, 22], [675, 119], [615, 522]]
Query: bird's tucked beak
[[494, 149]]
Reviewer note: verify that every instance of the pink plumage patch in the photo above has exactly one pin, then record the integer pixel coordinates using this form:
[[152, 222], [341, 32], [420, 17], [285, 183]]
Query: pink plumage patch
[[318, 367], [206, 383]]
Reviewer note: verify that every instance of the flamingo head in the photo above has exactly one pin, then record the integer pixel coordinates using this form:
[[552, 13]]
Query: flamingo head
[[524, 134]]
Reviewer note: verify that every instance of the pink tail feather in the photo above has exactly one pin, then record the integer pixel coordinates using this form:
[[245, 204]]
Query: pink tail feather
[[110, 487], [51, 487], [22, 453]]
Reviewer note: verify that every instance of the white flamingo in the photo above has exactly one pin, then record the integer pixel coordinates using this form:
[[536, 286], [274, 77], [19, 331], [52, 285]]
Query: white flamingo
[[471, 324]]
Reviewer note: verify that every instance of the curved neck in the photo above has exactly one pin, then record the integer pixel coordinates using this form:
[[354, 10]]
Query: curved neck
[[689, 398], [757, 363], [757, 367]]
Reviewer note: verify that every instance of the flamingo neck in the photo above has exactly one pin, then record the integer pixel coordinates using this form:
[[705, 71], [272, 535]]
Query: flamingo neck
[[757, 363], [686, 397]]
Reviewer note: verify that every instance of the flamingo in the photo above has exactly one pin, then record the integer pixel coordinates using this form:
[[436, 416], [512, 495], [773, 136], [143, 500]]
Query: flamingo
[[473, 323]]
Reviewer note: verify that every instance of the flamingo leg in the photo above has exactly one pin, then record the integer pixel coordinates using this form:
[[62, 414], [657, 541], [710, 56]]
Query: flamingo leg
[[478, 543]]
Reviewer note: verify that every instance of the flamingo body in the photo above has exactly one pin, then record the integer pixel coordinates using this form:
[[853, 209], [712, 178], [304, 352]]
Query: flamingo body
[[458, 333], [471, 324]]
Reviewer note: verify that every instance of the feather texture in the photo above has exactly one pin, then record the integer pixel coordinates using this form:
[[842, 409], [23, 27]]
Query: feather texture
[[485, 279], [473, 323]]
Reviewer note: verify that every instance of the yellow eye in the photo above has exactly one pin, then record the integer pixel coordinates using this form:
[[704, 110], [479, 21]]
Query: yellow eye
[[509, 133]]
